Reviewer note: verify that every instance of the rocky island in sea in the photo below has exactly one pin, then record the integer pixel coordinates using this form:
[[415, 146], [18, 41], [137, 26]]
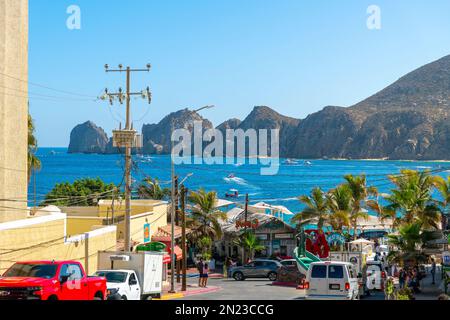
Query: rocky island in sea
[[408, 120]]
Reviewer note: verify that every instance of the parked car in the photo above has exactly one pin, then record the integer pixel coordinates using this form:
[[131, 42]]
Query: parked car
[[331, 280], [257, 269], [121, 284], [289, 263], [50, 280]]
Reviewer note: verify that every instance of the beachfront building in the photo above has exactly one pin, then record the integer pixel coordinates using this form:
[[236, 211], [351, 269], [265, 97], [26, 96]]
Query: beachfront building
[[278, 237], [13, 109]]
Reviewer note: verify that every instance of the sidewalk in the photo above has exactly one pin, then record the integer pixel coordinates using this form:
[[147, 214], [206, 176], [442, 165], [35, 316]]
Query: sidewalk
[[429, 291], [190, 291]]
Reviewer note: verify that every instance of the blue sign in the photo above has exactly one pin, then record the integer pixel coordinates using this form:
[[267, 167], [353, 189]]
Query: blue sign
[[147, 233], [335, 238]]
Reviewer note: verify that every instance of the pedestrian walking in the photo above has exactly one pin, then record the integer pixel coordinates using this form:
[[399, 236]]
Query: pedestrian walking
[[204, 276], [402, 278], [433, 271], [200, 266]]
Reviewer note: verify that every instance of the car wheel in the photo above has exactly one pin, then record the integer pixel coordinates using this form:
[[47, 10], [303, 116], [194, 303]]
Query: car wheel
[[273, 276], [238, 276], [124, 298]]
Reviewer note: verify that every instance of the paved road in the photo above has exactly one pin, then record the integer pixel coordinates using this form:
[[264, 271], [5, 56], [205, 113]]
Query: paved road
[[255, 289], [250, 289]]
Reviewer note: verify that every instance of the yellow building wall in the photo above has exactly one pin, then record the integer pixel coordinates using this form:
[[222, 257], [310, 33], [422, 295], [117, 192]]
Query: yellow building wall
[[156, 219], [137, 207], [13, 108], [78, 225], [46, 241]]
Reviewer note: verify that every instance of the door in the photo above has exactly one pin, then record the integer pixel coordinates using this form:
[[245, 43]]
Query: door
[[318, 282], [336, 281], [73, 284], [261, 269], [373, 276], [249, 269], [134, 288]]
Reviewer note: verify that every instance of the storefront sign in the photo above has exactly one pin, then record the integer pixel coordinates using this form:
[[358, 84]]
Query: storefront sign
[[335, 238], [147, 233], [284, 236], [240, 224], [262, 236]]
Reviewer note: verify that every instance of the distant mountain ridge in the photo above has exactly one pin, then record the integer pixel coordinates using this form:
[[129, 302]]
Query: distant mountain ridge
[[407, 120]]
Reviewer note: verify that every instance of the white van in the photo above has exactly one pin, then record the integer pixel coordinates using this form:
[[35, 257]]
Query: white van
[[331, 280]]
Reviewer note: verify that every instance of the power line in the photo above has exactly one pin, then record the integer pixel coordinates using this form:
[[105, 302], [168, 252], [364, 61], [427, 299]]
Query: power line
[[47, 87]]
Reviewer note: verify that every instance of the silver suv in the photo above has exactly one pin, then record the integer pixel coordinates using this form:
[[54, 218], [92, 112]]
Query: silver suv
[[257, 269]]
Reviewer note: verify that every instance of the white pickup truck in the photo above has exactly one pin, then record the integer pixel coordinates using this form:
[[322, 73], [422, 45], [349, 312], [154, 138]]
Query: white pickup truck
[[121, 284]]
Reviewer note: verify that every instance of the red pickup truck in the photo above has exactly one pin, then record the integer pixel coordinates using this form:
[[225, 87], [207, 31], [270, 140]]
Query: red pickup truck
[[50, 280]]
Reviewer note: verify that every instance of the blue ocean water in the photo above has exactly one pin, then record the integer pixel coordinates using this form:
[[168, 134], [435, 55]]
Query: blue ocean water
[[293, 179]]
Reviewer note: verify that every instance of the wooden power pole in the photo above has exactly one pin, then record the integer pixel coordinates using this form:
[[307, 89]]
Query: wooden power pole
[[127, 138], [184, 192]]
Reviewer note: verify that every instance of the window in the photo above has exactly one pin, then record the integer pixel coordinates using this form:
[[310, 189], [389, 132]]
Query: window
[[113, 276], [132, 279], [319, 272], [46, 271], [75, 272], [260, 264], [351, 272], [72, 271], [336, 272]]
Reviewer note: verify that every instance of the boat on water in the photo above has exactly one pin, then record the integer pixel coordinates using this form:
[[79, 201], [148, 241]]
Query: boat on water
[[231, 176], [290, 162], [232, 193], [307, 163]]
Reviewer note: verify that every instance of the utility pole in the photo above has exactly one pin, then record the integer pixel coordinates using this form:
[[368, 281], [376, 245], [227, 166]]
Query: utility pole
[[184, 192], [245, 228], [127, 137], [177, 214], [172, 221]]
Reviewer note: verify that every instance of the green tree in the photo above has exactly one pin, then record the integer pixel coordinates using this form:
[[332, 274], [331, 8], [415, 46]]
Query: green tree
[[34, 163], [250, 243], [411, 201], [340, 203], [316, 209], [204, 219], [83, 192], [151, 189], [408, 243], [443, 187], [360, 193]]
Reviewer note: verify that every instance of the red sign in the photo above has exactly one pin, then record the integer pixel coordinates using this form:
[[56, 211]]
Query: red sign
[[247, 224]]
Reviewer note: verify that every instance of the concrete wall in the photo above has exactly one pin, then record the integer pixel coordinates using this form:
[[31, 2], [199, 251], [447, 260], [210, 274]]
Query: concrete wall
[[13, 107], [44, 238], [78, 225]]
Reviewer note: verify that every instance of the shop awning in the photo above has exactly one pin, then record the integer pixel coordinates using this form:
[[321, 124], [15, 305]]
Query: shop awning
[[178, 253]]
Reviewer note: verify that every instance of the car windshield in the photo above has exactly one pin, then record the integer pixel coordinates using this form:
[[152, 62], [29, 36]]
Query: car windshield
[[45, 271], [113, 276]]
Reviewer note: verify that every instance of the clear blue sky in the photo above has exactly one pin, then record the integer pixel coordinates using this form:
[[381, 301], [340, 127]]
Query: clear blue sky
[[295, 56]]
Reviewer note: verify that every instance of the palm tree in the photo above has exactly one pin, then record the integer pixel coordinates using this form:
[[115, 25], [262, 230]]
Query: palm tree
[[408, 242], [34, 164], [316, 210], [250, 243], [150, 188], [443, 187], [412, 199], [339, 201], [359, 194], [204, 220]]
